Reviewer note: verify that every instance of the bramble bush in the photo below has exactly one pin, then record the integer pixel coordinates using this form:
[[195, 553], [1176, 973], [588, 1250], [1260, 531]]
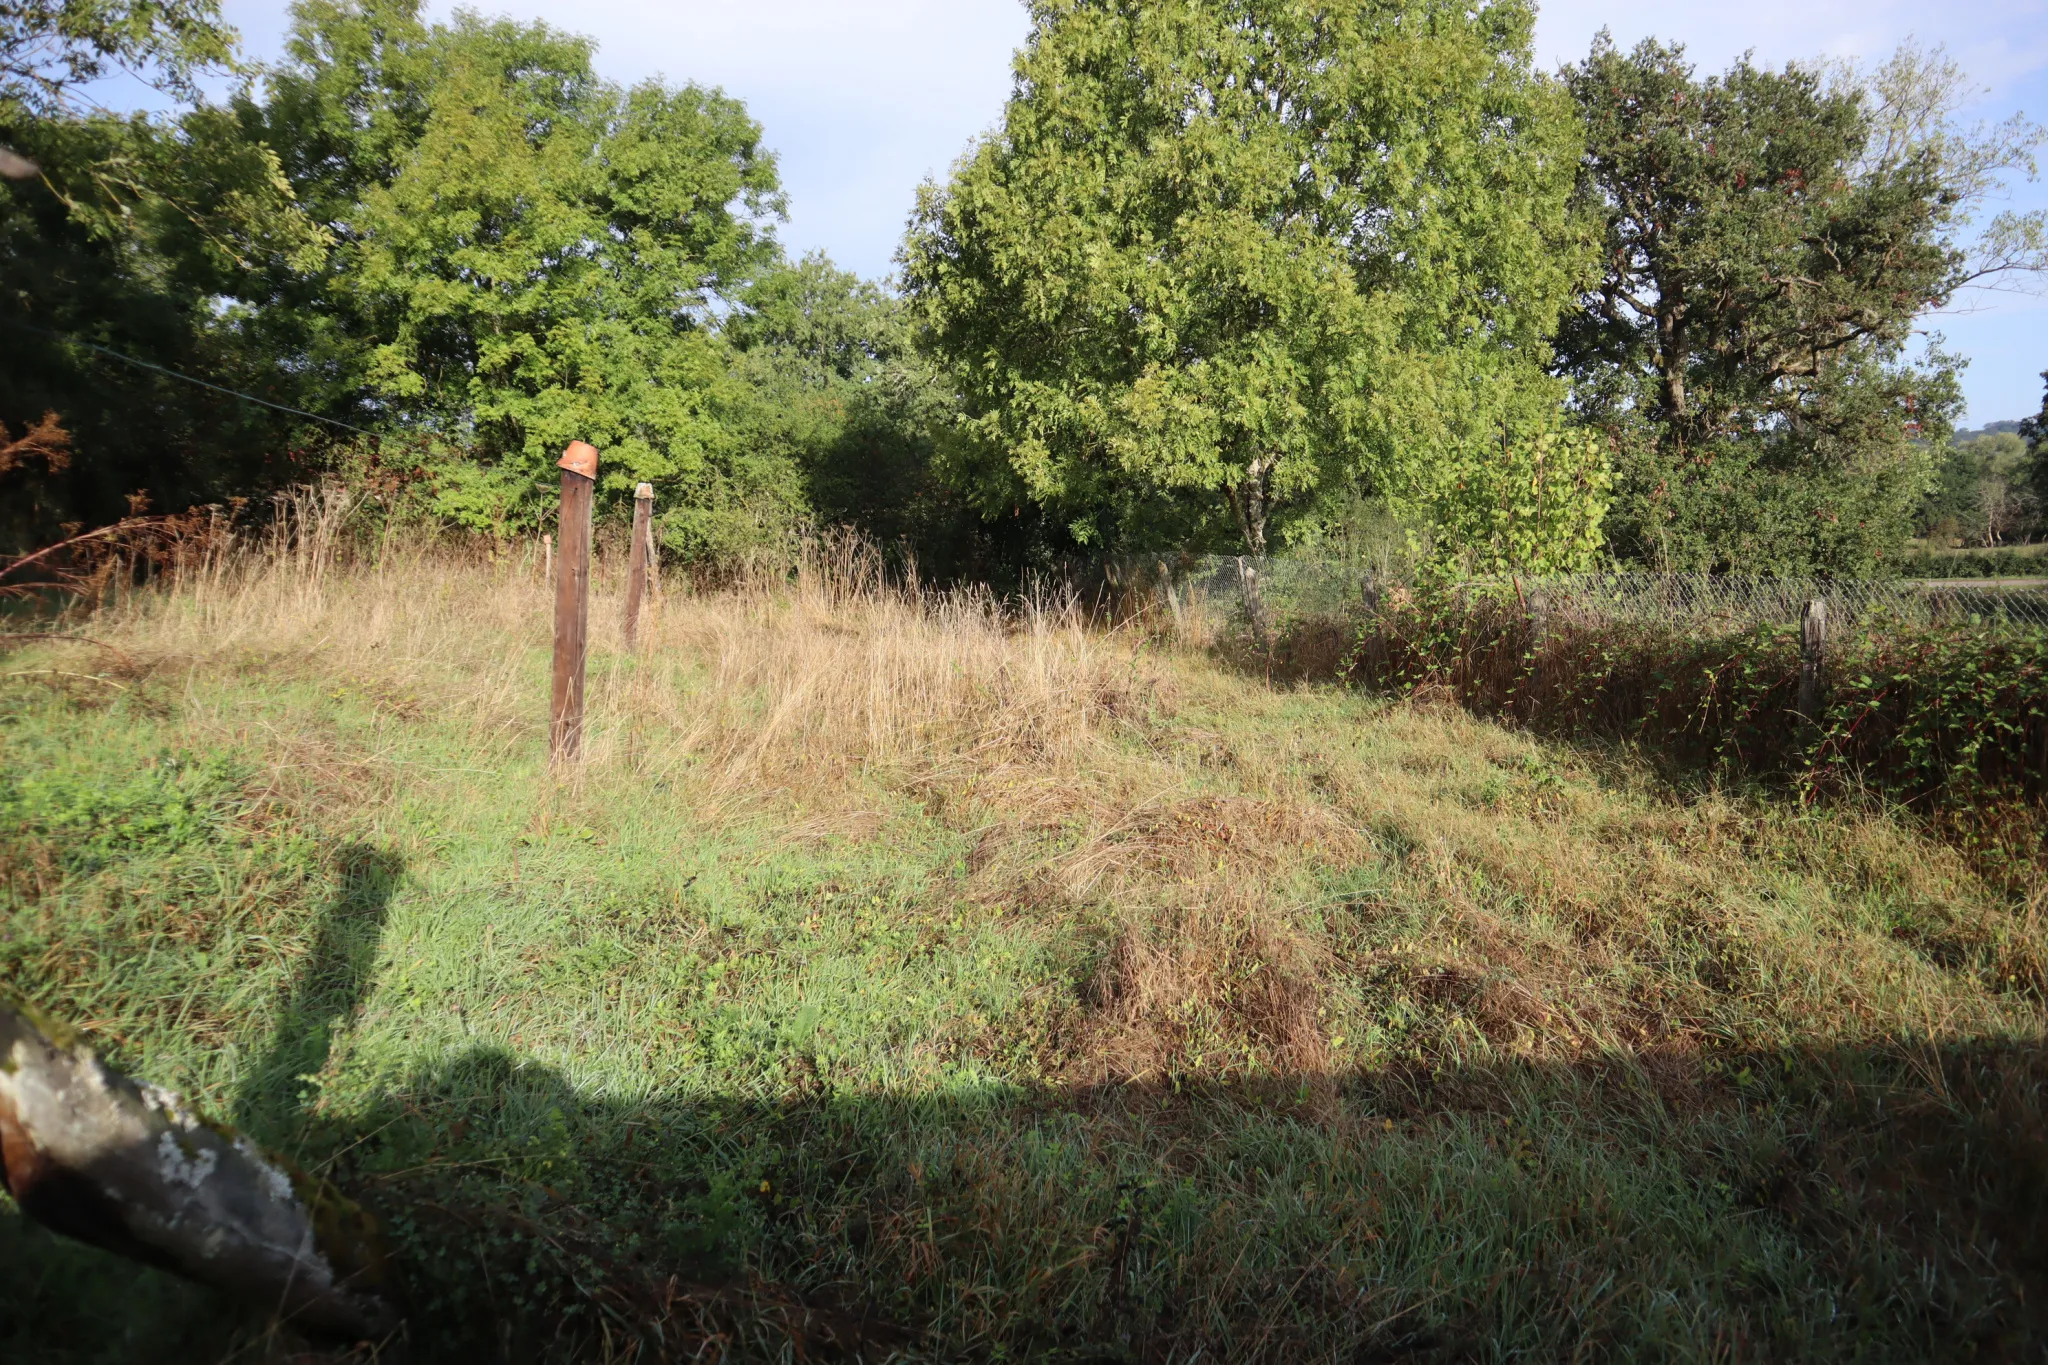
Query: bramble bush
[[1950, 720]]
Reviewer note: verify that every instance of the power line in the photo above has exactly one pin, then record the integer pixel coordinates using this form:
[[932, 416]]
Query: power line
[[217, 388]]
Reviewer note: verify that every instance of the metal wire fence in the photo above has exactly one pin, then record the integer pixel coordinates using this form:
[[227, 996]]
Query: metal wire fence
[[1277, 588]]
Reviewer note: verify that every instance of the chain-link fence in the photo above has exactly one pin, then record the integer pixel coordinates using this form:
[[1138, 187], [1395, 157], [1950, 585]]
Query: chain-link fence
[[1277, 588]]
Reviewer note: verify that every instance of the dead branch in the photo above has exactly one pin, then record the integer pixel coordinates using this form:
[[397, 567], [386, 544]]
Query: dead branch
[[46, 439], [91, 1154]]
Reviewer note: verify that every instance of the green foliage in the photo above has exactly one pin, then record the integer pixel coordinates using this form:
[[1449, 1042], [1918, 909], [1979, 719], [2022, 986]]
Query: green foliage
[[524, 255], [2009, 562], [1536, 507], [1229, 259], [509, 254], [128, 236], [841, 392], [1949, 719], [2034, 431], [1979, 494], [48, 48], [1769, 239]]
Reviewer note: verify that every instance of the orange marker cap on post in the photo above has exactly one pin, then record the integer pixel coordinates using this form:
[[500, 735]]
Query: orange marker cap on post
[[580, 458]]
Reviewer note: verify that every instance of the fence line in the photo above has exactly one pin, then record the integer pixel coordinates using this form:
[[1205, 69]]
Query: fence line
[[1281, 586]]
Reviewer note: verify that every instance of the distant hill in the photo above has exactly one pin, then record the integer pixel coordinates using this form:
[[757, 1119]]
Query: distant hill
[[1988, 429]]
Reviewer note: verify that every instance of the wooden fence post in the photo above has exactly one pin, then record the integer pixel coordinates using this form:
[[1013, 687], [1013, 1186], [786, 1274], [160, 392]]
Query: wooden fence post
[[572, 602], [1539, 631], [636, 564], [1813, 643], [653, 560]]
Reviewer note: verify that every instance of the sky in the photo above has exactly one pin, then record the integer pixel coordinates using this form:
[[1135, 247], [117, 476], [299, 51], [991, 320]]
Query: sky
[[863, 100]]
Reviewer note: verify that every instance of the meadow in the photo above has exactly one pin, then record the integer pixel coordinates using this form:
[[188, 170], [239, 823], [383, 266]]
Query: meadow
[[909, 975]]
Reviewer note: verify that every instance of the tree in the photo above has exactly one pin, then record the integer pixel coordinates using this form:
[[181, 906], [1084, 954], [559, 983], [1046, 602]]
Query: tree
[[50, 48], [1769, 239], [523, 255], [1980, 492], [122, 233], [2034, 431], [1229, 259]]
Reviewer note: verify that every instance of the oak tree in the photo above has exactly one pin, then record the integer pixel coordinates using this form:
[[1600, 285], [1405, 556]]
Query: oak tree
[[1227, 258], [1769, 239]]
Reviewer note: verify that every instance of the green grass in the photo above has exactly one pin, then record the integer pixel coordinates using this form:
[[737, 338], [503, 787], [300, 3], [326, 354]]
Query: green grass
[[1250, 1024]]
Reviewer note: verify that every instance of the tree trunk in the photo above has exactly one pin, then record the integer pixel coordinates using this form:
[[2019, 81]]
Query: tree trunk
[[1249, 500], [89, 1153], [1671, 358]]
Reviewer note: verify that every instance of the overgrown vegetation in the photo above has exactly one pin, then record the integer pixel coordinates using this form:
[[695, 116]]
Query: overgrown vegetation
[[906, 972], [1949, 718]]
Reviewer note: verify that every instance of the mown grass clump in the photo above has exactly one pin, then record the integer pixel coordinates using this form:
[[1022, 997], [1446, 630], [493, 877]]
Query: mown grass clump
[[903, 977]]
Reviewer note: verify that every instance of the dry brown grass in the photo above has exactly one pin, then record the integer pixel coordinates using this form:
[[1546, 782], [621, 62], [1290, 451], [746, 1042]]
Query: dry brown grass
[[1266, 863]]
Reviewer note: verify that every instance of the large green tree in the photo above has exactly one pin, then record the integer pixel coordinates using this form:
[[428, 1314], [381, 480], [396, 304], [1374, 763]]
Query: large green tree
[[1226, 260], [523, 254], [1770, 238]]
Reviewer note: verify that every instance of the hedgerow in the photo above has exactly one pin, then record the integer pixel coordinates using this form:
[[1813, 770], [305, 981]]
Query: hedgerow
[[1949, 719]]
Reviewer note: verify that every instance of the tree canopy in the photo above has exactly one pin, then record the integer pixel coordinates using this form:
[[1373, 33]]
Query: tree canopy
[[523, 254], [1227, 258], [1770, 238], [123, 232]]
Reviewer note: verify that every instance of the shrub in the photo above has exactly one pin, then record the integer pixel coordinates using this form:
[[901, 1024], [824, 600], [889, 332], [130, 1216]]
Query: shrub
[[1949, 719]]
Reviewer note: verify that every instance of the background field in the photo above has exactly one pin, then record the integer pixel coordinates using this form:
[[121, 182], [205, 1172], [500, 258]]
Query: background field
[[904, 975]]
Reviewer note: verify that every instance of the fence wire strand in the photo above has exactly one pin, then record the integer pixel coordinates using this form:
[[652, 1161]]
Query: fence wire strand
[[1281, 587]]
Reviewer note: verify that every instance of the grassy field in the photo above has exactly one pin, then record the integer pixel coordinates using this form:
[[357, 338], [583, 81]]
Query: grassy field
[[903, 978]]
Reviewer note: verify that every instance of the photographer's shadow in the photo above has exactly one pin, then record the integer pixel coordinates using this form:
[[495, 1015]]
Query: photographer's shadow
[[326, 996]]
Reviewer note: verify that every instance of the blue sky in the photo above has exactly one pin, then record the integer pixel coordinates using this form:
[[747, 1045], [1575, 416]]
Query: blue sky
[[863, 100]]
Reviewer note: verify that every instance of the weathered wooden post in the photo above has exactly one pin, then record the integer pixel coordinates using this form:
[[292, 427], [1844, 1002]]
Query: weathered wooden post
[[1813, 642], [653, 560], [572, 602], [636, 566]]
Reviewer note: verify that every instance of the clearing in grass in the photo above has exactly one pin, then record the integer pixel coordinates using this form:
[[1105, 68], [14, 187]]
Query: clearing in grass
[[907, 977]]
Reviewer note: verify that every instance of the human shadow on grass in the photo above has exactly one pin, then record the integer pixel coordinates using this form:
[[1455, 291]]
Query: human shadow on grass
[[1788, 1203], [64, 1301], [326, 994]]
